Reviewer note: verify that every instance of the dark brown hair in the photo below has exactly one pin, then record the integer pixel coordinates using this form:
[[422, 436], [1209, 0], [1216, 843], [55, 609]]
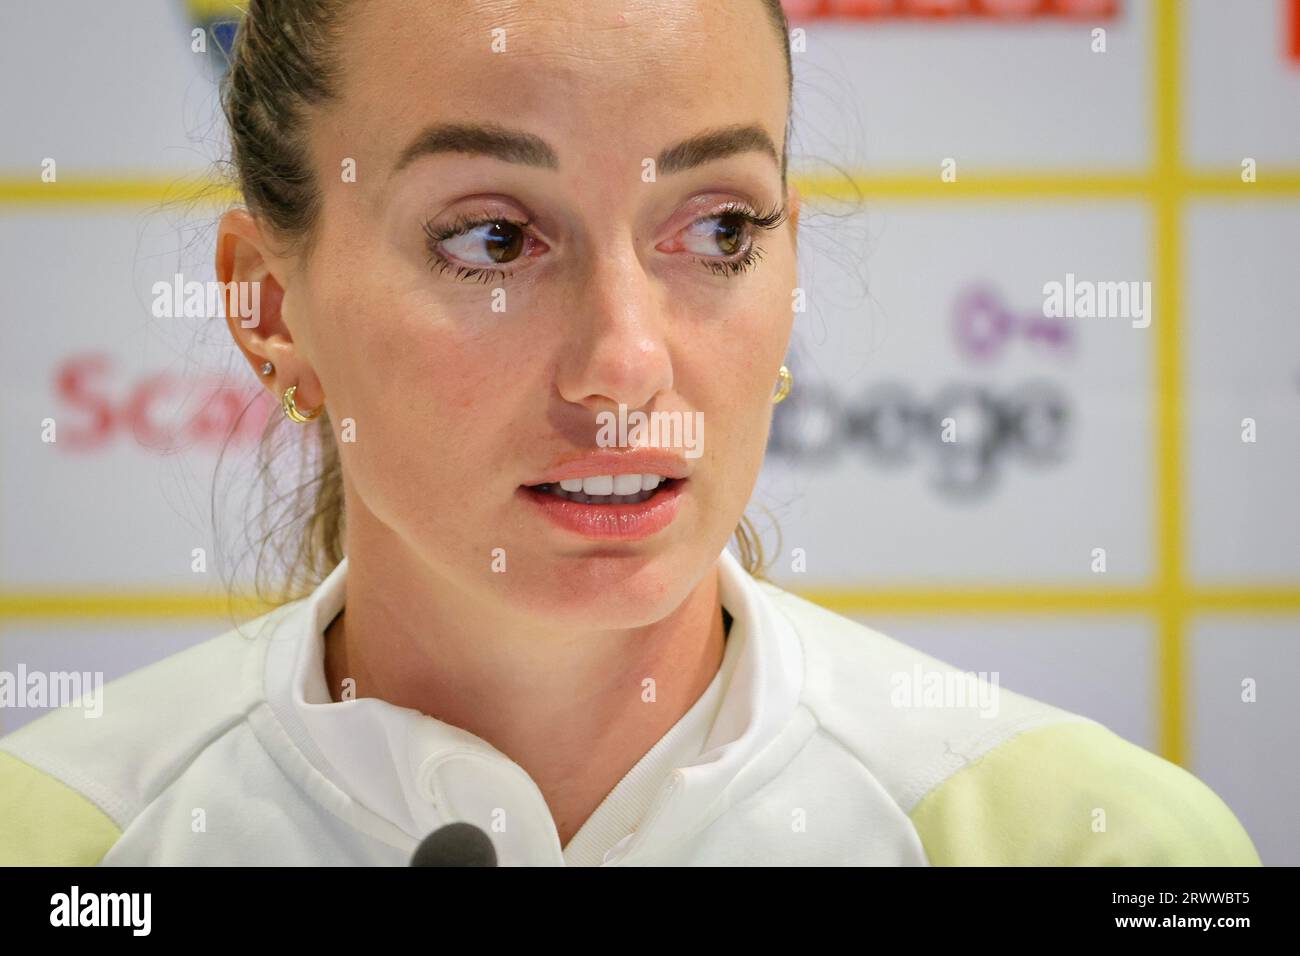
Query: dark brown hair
[[282, 63]]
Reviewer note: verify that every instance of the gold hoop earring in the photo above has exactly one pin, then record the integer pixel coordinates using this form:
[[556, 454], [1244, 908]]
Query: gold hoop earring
[[291, 407], [783, 389]]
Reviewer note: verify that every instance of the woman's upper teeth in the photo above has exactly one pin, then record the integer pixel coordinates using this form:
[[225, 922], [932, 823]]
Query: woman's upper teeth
[[611, 484]]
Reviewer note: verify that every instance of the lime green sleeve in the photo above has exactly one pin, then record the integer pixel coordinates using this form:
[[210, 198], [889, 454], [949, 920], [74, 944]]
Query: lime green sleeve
[[44, 822], [1077, 794]]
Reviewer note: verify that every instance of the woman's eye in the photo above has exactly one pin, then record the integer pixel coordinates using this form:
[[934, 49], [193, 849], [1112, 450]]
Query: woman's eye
[[474, 247], [723, 235], [493, 243], [724, 242]]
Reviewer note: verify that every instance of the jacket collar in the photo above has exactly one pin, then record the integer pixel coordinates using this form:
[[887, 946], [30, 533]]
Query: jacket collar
[[418, 773]]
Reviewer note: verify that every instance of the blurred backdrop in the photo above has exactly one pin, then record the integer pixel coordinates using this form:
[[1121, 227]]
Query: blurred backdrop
[[1115, 528]]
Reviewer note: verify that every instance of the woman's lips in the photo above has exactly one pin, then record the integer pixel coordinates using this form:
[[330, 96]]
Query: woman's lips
[[622, 522]]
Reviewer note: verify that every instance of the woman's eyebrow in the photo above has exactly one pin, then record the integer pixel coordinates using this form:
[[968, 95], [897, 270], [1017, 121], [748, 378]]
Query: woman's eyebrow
[[487, 139], [518, 146], [716, 144]]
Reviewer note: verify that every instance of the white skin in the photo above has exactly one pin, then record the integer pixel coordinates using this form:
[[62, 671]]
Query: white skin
[[456, 405]]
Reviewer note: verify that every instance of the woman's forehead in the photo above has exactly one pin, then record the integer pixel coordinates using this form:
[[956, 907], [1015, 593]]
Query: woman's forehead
[[580, 66]]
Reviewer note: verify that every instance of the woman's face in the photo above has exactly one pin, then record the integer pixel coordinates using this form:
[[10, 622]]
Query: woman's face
[[476, 364]]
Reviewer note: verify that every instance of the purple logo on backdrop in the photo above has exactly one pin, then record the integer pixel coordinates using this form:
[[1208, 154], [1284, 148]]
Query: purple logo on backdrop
[[983, 324]]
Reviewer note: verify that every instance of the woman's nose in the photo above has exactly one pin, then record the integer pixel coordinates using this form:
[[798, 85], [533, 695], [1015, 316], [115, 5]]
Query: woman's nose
[[616, 350]]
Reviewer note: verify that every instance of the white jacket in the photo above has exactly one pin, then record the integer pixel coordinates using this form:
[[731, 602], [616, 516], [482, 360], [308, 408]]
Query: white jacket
[[820, 742]]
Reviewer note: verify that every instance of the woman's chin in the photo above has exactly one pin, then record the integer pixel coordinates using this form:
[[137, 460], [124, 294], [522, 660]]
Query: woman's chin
[[603, 593]]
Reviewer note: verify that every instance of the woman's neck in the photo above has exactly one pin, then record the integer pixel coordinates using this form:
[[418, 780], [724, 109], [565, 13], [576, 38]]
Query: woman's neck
[[576, 710]]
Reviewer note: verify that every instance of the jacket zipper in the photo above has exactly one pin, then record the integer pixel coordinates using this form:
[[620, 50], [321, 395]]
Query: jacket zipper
[[657, 809]]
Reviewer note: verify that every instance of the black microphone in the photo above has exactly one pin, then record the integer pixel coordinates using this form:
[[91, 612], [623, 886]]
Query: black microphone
[[456, 844]]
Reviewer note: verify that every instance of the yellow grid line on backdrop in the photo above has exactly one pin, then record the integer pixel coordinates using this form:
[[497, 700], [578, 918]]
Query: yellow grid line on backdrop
[[1167, 258], [1001, 600], [1065, 186], [1167, 186]]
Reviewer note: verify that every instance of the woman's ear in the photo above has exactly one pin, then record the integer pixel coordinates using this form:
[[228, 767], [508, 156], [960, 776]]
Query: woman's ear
[[254, 296]]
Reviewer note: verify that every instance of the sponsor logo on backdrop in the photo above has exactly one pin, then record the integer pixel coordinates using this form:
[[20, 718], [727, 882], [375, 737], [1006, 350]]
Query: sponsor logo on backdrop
[[1011, 10], [961, 436], [218, 18], [1006, 11], [101, 403], [985, 325], [1293, 30]]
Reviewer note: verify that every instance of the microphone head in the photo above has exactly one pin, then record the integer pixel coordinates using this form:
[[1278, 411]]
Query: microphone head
[[456, 844]]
